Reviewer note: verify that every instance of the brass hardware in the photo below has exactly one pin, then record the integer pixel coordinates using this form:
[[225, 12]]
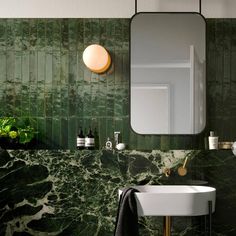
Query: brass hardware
[[167, 226], [225, 145], [182, 171], [166, 172]]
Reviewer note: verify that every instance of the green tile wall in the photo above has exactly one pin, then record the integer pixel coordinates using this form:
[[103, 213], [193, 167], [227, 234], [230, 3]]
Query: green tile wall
[[42, 76], [221, 77]]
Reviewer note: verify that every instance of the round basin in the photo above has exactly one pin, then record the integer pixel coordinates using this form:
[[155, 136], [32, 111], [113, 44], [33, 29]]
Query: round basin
[[174, 200]]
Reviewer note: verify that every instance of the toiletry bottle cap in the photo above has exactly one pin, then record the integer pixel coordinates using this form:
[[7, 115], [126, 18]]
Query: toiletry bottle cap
[[212, 133]]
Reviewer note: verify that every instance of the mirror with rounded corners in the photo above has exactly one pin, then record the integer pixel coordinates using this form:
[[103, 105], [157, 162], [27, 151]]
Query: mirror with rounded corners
[[167, 82]]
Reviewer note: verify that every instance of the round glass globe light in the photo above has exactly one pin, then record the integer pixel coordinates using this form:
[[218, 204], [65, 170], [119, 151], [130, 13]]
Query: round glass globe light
[[96, 58]]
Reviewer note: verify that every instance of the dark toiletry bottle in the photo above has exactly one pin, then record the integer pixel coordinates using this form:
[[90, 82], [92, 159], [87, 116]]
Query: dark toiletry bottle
[[80, 140], [96, 139], [89, 140]]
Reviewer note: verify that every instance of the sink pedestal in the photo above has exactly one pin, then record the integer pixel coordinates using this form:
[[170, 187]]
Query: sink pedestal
[[167, 222], [167, 226], [175, 200]]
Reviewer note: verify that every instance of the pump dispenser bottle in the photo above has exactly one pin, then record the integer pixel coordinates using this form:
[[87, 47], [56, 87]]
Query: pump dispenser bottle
[[213, 141]]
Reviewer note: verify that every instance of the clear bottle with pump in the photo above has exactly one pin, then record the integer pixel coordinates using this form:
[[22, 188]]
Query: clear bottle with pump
[[213, 141], [89, 140], [80, 141]]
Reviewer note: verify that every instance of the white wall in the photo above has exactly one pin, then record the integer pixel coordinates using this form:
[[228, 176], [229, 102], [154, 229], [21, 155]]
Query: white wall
[[110, 8]]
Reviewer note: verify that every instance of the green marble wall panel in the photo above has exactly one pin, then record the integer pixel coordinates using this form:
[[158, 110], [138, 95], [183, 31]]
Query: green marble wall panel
[[70, 193], [73, 193]]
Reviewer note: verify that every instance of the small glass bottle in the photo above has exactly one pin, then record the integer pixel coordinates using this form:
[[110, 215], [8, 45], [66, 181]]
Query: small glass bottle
[[89, 140], [213, 141], [80, 144], [108, 144]]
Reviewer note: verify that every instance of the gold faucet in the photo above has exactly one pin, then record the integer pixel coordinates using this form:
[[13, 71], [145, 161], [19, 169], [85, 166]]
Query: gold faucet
[[167, 171]]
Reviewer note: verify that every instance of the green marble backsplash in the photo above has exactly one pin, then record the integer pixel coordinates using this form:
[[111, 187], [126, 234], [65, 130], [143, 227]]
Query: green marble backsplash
[[75, 193]]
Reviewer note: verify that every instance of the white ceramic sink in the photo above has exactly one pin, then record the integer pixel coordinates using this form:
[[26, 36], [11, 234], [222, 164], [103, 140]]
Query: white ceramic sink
[[174, 200]]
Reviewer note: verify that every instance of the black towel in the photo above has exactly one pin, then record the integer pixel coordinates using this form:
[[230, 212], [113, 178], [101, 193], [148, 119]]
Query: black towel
[[127, 216]]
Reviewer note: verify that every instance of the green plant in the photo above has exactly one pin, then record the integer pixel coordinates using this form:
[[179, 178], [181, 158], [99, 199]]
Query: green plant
[[17, 128]]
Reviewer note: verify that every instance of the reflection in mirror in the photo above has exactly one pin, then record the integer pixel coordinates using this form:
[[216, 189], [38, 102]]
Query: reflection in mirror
[[167, 73]]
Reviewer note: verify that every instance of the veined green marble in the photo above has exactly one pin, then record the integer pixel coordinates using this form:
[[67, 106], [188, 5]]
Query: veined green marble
[[75, 193]]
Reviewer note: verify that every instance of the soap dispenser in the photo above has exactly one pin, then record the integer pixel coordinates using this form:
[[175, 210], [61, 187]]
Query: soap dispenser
[[213, 141]]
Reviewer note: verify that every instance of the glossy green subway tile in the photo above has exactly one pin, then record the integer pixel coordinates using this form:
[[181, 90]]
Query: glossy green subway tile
[[233, 68], [72, 34], [118, 66], [48, 69], [33, 35], [56, 68], [25, 34], [86, 100], [3, 69], [48, 130], [132, 140], [33, 67], [64, 34], [49, 28], [121, 99], [56, 33], [80, 35], [126, 36], [126, 127], [64, 68], [48, 103], [72, 132], [41, 58], [64, 132], [10, 65], [41, 34], [108, 127], [25, 101], [3, 35], [41, 125], [9, 34], [80, 68], [56, 131], [25, 68], [110, 100], [79, 102], [72, 101], [64, 105], [72, 67], [91, 31], [18, 67]]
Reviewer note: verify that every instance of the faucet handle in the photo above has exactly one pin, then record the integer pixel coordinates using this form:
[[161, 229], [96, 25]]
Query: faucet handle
[[116, 137], [182, 170]]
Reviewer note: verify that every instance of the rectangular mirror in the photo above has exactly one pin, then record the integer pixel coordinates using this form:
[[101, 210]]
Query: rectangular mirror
[[167, 56]]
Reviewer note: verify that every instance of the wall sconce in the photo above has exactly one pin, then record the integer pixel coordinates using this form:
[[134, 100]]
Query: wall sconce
[[96, 58]]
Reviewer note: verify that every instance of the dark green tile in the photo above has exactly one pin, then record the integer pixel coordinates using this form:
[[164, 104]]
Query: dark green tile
[[3, 35], [33, 34], [3, 69], [56, 132], [41, 34], [56, 34]]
